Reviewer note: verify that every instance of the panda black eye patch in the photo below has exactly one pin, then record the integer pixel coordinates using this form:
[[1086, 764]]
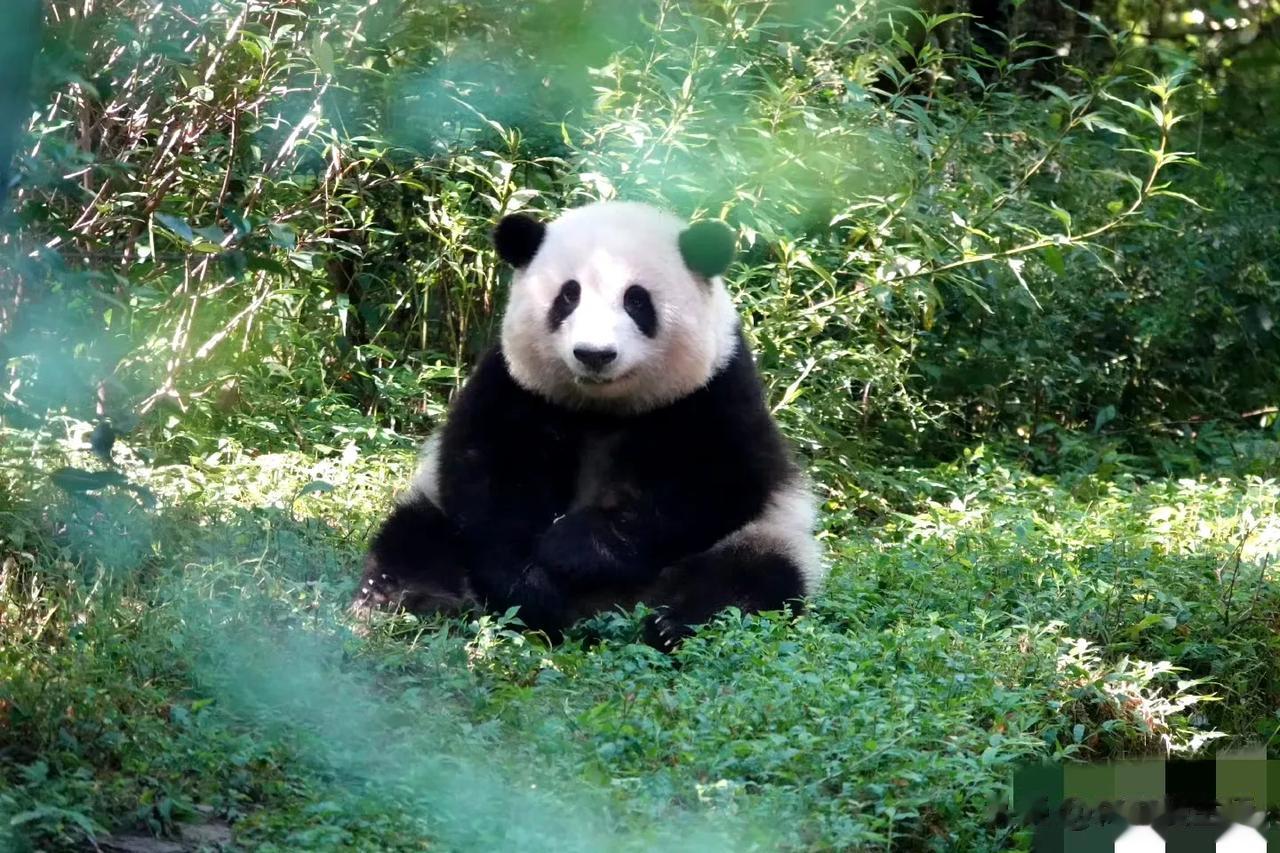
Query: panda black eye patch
[[564, 303], [639, 306]]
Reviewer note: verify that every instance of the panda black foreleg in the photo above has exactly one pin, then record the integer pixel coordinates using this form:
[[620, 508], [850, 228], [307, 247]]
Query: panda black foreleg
[[418, 561], [693, 590]]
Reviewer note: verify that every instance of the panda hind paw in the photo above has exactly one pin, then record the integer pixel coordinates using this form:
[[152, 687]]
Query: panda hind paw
[[664, 633], [376, 592]]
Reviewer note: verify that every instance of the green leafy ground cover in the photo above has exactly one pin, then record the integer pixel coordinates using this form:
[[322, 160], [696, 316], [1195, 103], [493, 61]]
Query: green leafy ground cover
[[175, 655]]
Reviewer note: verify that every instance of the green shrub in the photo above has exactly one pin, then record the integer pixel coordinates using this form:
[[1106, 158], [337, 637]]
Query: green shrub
[[272, 221]]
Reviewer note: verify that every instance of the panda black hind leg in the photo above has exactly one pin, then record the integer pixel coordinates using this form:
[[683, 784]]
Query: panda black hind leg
[[737, 574], [692, 591], [417, 561], [770, 563]]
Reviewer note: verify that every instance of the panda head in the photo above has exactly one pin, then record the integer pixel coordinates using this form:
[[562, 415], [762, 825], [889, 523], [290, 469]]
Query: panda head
[[616, 305]]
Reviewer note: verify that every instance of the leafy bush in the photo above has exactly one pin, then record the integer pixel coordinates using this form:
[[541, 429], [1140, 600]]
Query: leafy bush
[[271, 220]]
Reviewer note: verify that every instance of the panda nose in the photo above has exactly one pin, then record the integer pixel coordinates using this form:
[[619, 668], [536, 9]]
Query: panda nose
[[595, 358]]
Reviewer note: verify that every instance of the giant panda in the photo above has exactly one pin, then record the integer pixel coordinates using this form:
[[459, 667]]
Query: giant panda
[[615, 447]]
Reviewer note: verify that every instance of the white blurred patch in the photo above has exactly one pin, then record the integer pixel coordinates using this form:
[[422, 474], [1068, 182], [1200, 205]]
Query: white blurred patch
[[1241, 839], [1139, 839]]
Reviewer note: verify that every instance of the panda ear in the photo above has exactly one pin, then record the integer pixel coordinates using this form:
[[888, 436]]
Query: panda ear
[[708, 247], [517, 238]]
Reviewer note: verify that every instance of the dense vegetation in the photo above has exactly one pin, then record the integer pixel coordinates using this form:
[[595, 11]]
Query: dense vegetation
[[1011, 271]]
